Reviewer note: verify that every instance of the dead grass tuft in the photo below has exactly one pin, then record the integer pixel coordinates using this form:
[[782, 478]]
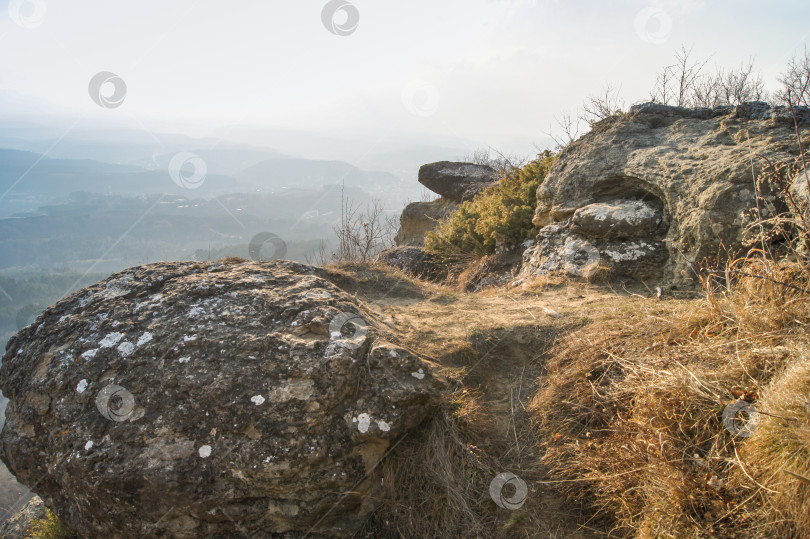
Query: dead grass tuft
[[778, 455], [766, 296], [447, 476]]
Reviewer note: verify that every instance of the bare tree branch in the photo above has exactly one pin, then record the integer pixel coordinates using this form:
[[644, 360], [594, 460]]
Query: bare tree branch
[[796, 81], [568, 129], [363, 234], [604, 105]]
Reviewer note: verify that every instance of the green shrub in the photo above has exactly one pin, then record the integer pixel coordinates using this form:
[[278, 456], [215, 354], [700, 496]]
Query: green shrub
[[501, 215]]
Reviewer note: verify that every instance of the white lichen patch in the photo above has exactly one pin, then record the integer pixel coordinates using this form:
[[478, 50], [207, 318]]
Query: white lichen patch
[[393, 353], [631, 251], [184, 359], [145, 338], [187, 338], [89, 354], [126, 348], [363, 422], [204, 451], [383, 426], [195, 311], [89, 445], [419, 375], [111, 340], [81, 386], [257, 400], [633, 212]]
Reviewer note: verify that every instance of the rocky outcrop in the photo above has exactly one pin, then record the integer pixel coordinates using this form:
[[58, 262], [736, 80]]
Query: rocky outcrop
[[414, 261], [419, 218], [455, 183], [652, 193], [208, 400], [19, 525]]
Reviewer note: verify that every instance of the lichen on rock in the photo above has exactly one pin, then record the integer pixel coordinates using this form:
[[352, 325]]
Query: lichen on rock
[[677, 182], [233, 408]]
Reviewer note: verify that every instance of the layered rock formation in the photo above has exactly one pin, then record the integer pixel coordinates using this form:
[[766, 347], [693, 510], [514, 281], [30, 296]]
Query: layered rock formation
[[455, 183], [208, 400], [652, 193]]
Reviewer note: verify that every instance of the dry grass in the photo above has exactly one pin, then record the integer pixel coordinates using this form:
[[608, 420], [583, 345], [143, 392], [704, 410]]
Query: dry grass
[[447, 477], [630, 413], [435, 482], [779, 455], [377, 281]]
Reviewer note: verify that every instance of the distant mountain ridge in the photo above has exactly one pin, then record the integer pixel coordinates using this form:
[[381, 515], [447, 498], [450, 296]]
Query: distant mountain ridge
[[29, 180]]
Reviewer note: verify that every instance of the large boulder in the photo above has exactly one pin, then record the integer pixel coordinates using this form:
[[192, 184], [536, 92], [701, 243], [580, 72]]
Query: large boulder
[[559, 249], [419, 218], [661, 185], [205, 399], [455, 181], [619, 219]]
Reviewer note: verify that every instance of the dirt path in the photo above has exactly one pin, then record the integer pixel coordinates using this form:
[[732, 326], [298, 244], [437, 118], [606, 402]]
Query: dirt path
[[497, 342], [494, 345]]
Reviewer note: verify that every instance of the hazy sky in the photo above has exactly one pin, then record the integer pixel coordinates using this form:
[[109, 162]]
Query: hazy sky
[[494, 72]]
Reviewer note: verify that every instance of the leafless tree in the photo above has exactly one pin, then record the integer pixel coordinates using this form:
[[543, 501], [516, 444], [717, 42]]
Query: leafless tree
[[603, 105], [684, 84], [661, 92], [740, 86], [426, 195], [706, 93], [568, 129], [503, 163], [480, 156], [321, 256], [675, 83], [727, 87], [796, 81], [363, 233]]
